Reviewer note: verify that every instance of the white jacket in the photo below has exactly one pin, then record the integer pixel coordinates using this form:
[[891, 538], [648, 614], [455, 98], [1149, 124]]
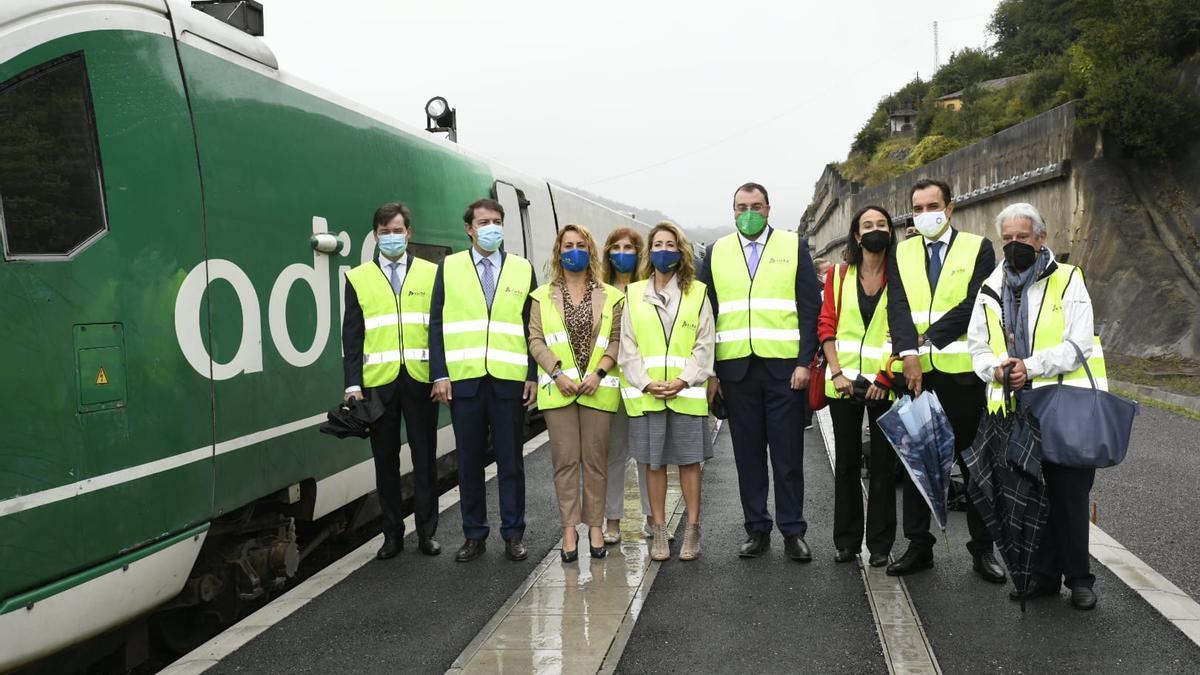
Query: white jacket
[[1052, 361]]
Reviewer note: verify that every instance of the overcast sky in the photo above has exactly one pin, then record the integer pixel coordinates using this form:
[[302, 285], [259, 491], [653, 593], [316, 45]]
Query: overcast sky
[[666, 105]]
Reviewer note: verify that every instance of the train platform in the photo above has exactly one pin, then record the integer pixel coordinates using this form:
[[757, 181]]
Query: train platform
[[724, 614]]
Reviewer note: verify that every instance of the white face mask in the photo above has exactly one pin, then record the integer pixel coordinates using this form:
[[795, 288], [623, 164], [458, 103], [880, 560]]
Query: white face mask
[[930, 223]]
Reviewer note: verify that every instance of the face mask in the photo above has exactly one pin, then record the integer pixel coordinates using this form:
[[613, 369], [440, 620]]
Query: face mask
[[930, 224], [624, 262], [750, 223], [664, 261], [1019, 255], [575, 260], [489, 237], [393, 245], [875, 241]]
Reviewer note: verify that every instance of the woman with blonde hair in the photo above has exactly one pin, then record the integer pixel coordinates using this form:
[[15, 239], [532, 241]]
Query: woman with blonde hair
[[667, 345], [574, 335], [625, 249]]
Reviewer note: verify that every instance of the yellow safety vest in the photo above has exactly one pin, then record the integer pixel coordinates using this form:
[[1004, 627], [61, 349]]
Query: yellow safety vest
[[860, 349], [396, 326], [757, 315], [479, 341], [1048, 331], [929, 305], [608, 395], [664, 361]]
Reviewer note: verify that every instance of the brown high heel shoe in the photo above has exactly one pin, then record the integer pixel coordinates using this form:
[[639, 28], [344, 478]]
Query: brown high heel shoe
[[691, 543]]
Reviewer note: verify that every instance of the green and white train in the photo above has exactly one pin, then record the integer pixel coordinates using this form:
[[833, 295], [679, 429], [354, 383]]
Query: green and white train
[[170, 341]]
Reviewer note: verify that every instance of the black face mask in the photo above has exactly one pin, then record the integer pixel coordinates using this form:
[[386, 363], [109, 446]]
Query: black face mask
[[876, 241], [1020, 255]]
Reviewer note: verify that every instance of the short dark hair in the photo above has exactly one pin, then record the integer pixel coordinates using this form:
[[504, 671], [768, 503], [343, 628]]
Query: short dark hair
[[751, 187], [485, 203], [388, 212], [947, 197], [854, 254]]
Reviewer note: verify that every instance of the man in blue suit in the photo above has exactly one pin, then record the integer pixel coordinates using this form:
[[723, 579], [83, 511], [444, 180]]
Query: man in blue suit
[[480, 365], [763, 291]]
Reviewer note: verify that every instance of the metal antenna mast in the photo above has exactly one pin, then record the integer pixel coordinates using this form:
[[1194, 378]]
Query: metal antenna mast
[[937, 60]]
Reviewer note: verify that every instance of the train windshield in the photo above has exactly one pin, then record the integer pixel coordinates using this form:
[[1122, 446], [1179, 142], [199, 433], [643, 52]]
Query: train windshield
[[51, 188]]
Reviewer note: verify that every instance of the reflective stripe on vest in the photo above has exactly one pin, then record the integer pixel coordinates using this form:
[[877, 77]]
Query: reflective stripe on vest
[[1048, 331], [607, 396], [395, 327], [664, 361], [478, 341], [929, 305], [860, 349], [757, 316]]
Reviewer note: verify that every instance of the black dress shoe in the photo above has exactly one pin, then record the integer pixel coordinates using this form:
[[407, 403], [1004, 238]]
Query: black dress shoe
[[756, 544], [845, 555], [569, 556], [471, 549], [1036, 588], [515, 550], [1083, 598], [429, 546], [878, 559], [987, 568], [913, 560], [392, 546], [795, 548]]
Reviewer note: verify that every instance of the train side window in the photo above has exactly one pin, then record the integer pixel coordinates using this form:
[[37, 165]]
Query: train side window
[[51, 187], [431, 252]]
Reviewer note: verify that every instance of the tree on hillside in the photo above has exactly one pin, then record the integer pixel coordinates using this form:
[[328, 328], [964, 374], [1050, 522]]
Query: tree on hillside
[[965, 68]]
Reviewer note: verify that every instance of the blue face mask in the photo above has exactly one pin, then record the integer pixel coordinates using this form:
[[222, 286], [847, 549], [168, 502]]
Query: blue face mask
[[393, 245], [664, 261], [624, 262], [489, 237], [575, 260]]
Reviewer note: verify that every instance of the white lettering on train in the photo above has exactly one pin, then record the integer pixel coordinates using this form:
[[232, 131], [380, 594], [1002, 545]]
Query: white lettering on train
[[249, 356]]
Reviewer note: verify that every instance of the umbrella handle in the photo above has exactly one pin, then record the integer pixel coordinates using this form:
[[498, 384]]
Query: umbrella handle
[[1007, 387]]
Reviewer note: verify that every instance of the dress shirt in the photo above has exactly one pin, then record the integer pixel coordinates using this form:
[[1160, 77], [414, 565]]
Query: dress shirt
[[496, 259], [1078, 327], [699, 366], [761, 241], [945, 240]]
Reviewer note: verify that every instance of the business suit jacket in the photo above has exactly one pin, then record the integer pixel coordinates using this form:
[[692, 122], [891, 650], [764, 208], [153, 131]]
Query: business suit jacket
[[954, 323], [541, 352], [437, 342], [808, 306]]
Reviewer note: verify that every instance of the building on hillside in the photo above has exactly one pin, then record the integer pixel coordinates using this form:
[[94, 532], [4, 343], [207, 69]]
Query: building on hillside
[[903, 120], [954, 101]]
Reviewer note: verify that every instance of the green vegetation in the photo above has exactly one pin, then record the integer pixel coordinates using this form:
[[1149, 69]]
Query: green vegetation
[[1118, 57], [1176, 375]]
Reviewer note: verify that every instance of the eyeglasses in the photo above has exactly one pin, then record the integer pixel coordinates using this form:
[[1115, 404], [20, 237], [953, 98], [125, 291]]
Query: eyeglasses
[[756, 207]]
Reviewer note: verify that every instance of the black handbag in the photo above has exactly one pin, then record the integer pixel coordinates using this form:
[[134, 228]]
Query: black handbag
[[1086, 428]]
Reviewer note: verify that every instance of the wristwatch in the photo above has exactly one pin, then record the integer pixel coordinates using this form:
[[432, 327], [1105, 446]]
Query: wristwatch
[[601, 372]]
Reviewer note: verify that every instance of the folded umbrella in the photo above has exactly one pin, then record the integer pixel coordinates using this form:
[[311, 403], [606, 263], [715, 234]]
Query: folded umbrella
[[920, 432], [1006, 485], [352, 418]]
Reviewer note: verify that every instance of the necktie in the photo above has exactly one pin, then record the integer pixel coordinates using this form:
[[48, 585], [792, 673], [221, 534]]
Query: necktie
[[489, 281], [753, 259], [395, 277], [935, 262]]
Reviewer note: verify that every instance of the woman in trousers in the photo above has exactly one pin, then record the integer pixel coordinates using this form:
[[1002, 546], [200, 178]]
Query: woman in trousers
[[853, 330], [667, 346], [574, 335], [625, 250]]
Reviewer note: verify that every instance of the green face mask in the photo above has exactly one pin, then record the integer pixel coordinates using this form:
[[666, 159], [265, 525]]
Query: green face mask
[[750, 223]]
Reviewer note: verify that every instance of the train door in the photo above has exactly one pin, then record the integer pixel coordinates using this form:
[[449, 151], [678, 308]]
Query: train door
[[516, 217], [107, 441]]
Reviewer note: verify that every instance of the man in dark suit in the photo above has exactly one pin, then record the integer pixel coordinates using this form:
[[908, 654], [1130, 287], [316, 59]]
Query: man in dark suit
[[481, 368], [932, 283], [763, 291], [386, 357]]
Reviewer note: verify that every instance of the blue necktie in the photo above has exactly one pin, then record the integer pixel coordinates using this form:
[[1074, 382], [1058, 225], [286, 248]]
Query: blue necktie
[[935, 262], [752, 261], [489, 281], [395, 277]]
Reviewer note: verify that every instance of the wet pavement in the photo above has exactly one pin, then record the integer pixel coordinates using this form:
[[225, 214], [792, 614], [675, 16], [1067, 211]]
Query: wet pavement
[[724, 614]]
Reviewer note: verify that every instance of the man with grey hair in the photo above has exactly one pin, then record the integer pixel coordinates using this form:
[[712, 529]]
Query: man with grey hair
[[1028, 313]]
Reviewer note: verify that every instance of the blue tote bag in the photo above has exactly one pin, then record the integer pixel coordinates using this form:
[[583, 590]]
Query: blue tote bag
[[1087, 428]]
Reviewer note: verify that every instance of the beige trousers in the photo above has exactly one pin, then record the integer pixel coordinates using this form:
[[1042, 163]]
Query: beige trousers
[[579, 445]]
